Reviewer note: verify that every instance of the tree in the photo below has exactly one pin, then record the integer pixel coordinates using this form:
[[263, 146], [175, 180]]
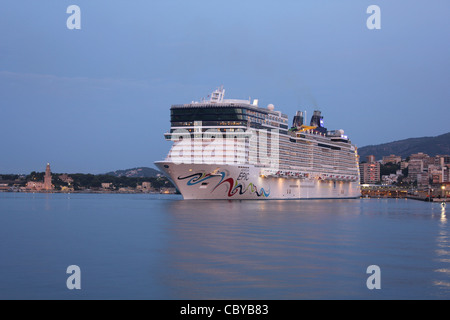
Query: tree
[[389, 168]]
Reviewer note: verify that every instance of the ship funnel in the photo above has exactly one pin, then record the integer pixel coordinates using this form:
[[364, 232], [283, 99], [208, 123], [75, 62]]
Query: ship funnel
[[298, 119], [317, 119]]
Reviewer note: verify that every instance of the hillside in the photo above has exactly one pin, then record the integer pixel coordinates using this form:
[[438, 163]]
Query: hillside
[[142, 172], [404, 148]]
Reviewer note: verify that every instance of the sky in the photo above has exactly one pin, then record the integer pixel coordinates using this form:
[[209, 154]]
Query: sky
[[98, 99]]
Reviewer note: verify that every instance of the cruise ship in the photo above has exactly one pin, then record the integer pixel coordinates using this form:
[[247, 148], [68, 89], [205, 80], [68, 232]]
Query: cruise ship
[[236, 149]]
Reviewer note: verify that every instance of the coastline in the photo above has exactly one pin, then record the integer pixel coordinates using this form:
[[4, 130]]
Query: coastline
[[88, 192]]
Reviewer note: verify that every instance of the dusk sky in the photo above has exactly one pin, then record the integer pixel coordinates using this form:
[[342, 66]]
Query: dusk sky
[[97, 99]]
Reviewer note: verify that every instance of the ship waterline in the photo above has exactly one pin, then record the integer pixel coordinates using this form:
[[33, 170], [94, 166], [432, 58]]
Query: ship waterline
[[246, 182], [234, 149]]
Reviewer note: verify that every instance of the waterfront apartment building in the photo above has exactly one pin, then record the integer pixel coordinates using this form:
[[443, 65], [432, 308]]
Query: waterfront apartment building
[[415, 167], [417, 164], [425, 169], [370, 171], [438, 174], [391, 159], [423, 179], [442, 160], [370, 158]]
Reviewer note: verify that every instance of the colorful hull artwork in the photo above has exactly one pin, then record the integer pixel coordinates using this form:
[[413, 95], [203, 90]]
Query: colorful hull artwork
[[234, 187], [247, 182]]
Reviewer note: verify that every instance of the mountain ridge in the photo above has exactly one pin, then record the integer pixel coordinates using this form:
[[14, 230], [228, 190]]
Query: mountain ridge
[[139, 172], [430, 145]]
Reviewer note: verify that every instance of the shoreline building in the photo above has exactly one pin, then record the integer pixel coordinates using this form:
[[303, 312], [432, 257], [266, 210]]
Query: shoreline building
[[48, 178], [391, 159], [45, 185], [418, 162], [370, 171]]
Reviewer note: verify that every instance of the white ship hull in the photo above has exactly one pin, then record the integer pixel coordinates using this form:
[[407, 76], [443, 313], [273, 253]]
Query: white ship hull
[[242, 182]]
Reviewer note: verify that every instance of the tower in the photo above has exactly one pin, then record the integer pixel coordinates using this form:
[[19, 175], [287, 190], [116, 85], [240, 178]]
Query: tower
[[48, 178]]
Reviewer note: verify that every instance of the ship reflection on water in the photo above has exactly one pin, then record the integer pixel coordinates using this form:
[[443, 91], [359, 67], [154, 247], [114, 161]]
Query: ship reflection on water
[[304, 249]]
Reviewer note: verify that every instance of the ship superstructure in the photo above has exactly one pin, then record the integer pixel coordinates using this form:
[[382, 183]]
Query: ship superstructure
[[235, 149]]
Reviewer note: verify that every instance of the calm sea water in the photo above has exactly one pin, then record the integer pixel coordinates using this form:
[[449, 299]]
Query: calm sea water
[[161, 247]]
